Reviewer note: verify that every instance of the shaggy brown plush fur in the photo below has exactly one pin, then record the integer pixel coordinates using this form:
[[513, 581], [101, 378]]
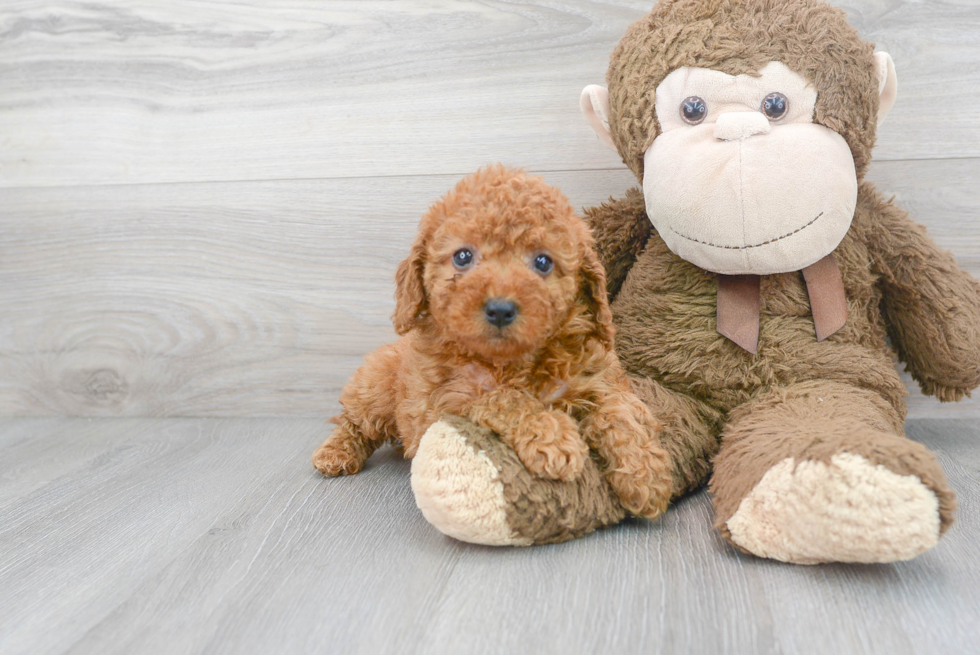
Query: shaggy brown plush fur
[[549, 383], [815, 420], [898, 283]]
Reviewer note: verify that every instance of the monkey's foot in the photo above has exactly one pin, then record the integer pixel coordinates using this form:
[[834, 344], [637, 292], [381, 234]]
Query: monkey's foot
[[472, 487], [820, 472], [847, 510]]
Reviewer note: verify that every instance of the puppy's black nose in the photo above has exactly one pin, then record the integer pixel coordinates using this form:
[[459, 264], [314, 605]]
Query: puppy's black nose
[[500, 311]]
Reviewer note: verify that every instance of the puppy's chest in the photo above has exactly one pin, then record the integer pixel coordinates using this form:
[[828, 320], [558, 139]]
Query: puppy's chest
[[550, 388]]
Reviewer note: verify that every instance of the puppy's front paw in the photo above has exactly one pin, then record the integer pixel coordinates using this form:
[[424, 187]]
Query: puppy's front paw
[[333, 458], [643, 482], [550, 446]]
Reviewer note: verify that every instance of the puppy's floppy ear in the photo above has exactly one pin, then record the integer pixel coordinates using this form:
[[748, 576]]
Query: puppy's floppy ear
[[410, 298], [596, 297]]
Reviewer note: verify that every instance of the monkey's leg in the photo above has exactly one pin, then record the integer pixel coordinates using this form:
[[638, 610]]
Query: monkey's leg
[[368, 418], [471, 486], [821, 472]]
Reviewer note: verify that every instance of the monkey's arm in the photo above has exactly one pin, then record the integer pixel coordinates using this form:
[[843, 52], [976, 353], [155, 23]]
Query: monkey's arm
[[931, 306], [621, 230]]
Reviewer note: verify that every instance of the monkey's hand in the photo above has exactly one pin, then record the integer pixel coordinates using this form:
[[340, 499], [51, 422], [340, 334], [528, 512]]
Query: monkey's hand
[[621, 230], [932, 306]]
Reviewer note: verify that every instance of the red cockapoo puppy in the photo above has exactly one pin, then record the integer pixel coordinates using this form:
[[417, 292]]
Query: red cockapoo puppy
[[505, 321]]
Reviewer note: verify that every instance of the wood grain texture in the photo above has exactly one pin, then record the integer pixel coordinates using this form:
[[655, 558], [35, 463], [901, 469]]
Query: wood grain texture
[[216, 536], [210, 299], [137, 92], [134, 283], [263, 298]]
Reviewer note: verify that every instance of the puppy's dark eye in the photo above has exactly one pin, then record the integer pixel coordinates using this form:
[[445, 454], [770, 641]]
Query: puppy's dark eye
[[543, 264], [463, 258], [774, 106], [693, 110]]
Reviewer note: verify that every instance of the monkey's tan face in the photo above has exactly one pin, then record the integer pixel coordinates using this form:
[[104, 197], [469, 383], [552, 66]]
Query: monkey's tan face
[[740, 179], [500, 289]]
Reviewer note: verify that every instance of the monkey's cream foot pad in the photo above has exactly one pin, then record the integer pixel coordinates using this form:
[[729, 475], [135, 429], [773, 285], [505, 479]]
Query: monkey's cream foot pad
[[849, 510], [459, 490]]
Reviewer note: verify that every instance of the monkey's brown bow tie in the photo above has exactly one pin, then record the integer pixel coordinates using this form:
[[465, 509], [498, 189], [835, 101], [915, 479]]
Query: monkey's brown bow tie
[[738, 303]]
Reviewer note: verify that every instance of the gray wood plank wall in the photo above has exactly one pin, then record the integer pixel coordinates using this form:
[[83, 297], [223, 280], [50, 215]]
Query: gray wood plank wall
[[202, 203]]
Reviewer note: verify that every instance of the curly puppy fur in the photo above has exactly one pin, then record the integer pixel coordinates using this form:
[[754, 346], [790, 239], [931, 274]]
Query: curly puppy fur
[[549, 383]]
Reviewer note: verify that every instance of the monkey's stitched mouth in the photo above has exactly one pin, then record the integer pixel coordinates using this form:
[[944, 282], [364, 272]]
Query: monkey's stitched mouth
[[754, 245]]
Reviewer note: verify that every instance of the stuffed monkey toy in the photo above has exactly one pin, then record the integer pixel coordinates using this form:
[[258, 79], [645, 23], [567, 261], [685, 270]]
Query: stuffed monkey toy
[[756, 281]]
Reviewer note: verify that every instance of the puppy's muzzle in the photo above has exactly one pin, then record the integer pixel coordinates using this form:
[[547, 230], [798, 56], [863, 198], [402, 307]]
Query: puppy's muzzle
[[500, 312]]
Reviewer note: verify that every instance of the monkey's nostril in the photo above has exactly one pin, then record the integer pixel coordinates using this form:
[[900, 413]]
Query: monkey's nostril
[[500, 311]]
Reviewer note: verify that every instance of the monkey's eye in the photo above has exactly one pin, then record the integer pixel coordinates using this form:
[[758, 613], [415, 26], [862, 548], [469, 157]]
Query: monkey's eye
[[774, 106], [693, 110], [543, 264], [462, 258]]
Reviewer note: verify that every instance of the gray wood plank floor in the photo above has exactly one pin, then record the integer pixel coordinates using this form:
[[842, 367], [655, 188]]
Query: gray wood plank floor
[[217, 536]]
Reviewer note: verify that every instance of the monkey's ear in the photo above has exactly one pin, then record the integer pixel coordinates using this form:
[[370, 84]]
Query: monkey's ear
[[597, 297], [410, 298], [887, 84], [594, 103]]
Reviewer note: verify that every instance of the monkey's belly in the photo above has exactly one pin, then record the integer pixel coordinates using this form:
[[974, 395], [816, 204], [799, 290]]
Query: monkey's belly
[[666, 330]]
